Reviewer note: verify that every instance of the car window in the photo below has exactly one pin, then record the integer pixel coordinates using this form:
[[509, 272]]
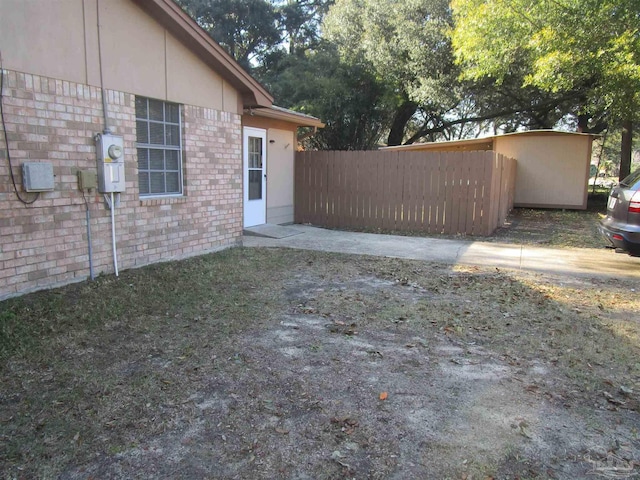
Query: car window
[[632, 181]]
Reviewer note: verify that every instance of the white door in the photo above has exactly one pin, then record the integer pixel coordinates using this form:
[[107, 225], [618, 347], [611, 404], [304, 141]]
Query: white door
[[255, 176]]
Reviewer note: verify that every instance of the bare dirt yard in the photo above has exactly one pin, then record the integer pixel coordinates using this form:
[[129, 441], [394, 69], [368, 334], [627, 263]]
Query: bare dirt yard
[[272, 363], [554, 228]]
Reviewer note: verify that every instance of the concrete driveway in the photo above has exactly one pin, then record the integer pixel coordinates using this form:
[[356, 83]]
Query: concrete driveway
[[561, 261]]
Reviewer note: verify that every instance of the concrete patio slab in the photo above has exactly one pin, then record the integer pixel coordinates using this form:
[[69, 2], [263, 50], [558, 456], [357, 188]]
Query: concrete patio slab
[[572, 261], [271, 231]]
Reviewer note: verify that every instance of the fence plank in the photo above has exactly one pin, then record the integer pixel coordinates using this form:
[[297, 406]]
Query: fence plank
[[364, 191], [416, 172], [448, 192], [474, 220], [396, 191], [345, 178], [354, 188], [487, 169], [431, 193], [494, 203], [331, 191], [456, 203], [463, 193], [404, 199], [298, 186], [431, 186], [388, 181], [378, 187], [320, 181], [306, 189]]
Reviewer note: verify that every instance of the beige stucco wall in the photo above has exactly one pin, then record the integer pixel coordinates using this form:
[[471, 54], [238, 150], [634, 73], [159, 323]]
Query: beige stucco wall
[[59, 39], [280, 165], [552, 169], [280, 155], [37, 37]]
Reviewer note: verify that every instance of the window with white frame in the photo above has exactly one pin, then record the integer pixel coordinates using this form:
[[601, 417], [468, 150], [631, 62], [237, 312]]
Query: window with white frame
[[159, 143]]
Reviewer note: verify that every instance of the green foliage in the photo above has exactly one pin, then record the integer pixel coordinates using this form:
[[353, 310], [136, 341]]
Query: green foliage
[[407, 47], [348, 98], [403, 42], [563, 45], [404, 45], [300, 20], [375, 68], [606, 148], [247, 29]]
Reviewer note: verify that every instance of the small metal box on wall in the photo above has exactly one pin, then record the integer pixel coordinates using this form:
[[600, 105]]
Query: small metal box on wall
[[110, 152], [37, 177]]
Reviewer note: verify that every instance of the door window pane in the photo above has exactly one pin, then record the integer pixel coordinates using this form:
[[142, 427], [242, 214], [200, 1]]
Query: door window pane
[[255, 152], [255, 184]]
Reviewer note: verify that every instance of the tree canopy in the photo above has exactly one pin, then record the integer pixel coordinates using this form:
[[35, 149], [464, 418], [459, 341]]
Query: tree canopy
[[592, 46], [404, 44], [401, 71]]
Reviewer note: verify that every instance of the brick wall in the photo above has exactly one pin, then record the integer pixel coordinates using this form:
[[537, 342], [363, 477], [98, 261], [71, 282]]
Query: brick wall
[[45, 244]]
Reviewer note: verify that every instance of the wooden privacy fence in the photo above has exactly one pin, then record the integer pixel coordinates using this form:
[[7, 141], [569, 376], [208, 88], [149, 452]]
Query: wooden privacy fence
[[434, 192]]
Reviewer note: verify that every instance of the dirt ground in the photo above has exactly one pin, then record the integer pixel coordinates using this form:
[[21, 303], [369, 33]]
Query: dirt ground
[[268, 363], [554, 228]]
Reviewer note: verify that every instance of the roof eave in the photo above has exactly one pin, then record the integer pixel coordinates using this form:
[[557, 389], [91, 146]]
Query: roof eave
[[482, 140], [300, 120], [452, 143]]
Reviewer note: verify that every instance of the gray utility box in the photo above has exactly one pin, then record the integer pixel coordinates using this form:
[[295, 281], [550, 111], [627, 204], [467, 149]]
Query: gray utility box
[[37, 177]]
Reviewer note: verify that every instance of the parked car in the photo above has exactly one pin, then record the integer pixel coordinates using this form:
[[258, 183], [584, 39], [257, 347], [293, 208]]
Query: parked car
[[621, 226]]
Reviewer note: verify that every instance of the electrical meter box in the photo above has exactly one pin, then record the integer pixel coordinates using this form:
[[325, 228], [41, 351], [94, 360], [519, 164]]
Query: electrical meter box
[[110, 150]]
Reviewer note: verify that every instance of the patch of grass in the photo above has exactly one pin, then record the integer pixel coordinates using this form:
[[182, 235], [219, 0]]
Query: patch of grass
[[212, 285]]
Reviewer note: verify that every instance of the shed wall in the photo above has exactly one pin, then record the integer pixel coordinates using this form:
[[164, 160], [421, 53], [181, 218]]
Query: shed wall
[[552, 170]]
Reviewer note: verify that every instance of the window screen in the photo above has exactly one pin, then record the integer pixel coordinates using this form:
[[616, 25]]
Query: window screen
[[159, 137]]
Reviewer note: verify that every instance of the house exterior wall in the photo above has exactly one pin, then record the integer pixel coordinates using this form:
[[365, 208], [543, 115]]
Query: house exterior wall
[[52, 103], [60, 40], [45, 244], [280, 156], [552, 171], [280, 166]]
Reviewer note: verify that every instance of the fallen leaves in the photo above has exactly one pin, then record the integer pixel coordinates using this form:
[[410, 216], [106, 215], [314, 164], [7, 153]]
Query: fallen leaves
[[383, 396], [343, 328], [347, 425], [611, 399]]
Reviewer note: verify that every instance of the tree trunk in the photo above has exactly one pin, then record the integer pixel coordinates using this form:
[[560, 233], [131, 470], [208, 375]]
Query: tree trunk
[[583, 122], [403, 115], [625, 151]]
